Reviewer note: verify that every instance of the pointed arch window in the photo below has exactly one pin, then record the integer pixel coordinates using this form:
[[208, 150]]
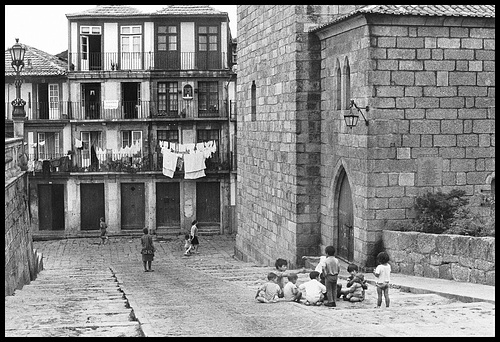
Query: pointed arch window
[[347, 84], [254, 101], [338, 87]]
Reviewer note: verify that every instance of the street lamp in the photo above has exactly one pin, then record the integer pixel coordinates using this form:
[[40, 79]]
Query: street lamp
[[17, 54], [351, 119]]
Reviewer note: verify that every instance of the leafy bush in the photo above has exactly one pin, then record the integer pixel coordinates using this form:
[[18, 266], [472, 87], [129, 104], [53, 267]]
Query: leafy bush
[[440, 213], [435, 211]]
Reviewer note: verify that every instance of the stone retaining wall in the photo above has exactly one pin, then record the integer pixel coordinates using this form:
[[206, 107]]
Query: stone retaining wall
[[22, 262], [453, 257]]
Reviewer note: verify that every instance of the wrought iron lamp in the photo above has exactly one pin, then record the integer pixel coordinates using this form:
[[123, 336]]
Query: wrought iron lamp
[[17, 52], [351, 119]]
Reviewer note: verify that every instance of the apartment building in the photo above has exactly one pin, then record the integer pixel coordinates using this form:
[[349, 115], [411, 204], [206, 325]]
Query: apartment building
[[140, 126]]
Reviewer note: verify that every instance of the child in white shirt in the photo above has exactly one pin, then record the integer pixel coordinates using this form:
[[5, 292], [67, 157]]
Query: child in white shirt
[[315, 291], [291, 291]]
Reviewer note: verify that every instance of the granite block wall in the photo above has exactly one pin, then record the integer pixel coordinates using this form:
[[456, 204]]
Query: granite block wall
[[452, 257], [21, 262]]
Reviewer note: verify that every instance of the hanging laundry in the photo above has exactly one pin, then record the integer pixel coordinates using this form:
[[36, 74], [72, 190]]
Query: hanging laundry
[[194, 165], [169, 162], [189, 147], [78, 143], [200, 147], [42, 143]]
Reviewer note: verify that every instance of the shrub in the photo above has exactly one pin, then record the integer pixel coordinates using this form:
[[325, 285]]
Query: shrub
[[435, 211], [442, 213]]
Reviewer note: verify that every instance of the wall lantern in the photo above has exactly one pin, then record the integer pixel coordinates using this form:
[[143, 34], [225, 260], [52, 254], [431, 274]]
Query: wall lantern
[[351, 119], [17, 52]]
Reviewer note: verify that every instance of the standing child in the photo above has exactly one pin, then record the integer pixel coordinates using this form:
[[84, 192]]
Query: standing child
[[270, 291], [148, 250], [331, 271], [103, 226], [314, 289], [187, 245], [383, 272], [291, 291], [194, 236]]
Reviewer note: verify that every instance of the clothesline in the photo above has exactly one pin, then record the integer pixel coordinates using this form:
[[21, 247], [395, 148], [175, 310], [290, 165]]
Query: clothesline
[[194, 156]]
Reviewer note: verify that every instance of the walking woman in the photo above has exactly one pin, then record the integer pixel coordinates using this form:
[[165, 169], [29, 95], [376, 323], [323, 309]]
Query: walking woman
[[148, 250]]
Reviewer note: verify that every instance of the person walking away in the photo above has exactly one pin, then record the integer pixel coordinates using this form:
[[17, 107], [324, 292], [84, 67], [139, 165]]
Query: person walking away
[[314, 290], [148, 250], [383, 274], [270, 291], [331, 271], [194, 237], [291, 292], [187, 245], [103, 226]]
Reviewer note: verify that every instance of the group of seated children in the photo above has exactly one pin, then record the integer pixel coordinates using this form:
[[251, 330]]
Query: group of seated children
[[314, 291]]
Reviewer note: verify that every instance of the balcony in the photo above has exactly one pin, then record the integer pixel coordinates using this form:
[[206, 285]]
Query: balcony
[[110, 161], [162, 60], [123, 110]]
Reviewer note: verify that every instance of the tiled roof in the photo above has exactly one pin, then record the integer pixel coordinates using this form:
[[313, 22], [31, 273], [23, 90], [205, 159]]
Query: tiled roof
[[189, 10], [107, 10], [485, 11], [36, 63]]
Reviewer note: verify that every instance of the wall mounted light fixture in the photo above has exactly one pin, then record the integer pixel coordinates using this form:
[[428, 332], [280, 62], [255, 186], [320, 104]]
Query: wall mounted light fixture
[[351, 119]]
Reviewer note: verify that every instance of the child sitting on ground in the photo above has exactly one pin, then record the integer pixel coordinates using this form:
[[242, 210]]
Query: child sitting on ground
[[314, 290], [353, 270], [291, 291], [270, 291], [281, 266], [357, 289]]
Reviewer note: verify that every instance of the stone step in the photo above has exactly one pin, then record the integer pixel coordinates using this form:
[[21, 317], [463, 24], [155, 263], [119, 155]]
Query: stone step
[[130, 329]]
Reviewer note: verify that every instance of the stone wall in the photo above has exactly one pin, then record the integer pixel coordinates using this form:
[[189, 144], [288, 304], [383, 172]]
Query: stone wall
[[22, 263], [430, 86], [453, 257]]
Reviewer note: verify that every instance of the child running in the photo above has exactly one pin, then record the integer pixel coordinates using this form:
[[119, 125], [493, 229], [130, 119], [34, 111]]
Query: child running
[[270, 291], [187, 245], [315, 291], [383, 273]]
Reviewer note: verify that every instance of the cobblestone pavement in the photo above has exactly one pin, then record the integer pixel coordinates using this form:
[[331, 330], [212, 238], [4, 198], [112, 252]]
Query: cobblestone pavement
[[212, 294]]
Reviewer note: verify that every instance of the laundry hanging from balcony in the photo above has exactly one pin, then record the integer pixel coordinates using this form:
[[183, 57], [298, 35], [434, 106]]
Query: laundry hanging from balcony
[[193, 155]]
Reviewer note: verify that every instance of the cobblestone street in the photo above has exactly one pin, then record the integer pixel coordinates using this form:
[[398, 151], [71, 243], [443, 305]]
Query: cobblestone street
[[212, 294]]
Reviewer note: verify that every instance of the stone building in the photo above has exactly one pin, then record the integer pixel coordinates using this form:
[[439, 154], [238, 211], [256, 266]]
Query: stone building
[[421, 75], [134, 86]]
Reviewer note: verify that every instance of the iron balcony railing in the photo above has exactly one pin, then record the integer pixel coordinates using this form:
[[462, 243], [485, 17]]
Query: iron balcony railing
[[160, 60], [123, 110], [111, 161]]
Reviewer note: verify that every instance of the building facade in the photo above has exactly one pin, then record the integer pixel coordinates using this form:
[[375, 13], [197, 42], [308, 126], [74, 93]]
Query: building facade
[[422, 75], [139, 86]]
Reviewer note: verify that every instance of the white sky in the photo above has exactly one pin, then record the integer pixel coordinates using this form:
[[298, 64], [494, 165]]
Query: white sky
[[45, 27]]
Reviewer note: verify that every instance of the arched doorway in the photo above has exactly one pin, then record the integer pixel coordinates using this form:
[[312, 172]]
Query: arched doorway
[[345, 241]]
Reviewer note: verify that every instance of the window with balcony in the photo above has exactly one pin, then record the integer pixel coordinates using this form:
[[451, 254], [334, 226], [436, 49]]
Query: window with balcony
[[48, 145], [90, 48], [168, 99], [167, 46], [208, 99], [131, 138], [131, 47], [208, 48], [204, 135], [92, 152]]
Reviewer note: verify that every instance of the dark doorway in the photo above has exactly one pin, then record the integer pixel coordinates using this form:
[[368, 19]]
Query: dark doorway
[[130, 99], [132, 205], [95, 55], [168, 205], [51, 206], [92, 205], [43, 101], [91, 95], [208, 204], [345, 220]]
